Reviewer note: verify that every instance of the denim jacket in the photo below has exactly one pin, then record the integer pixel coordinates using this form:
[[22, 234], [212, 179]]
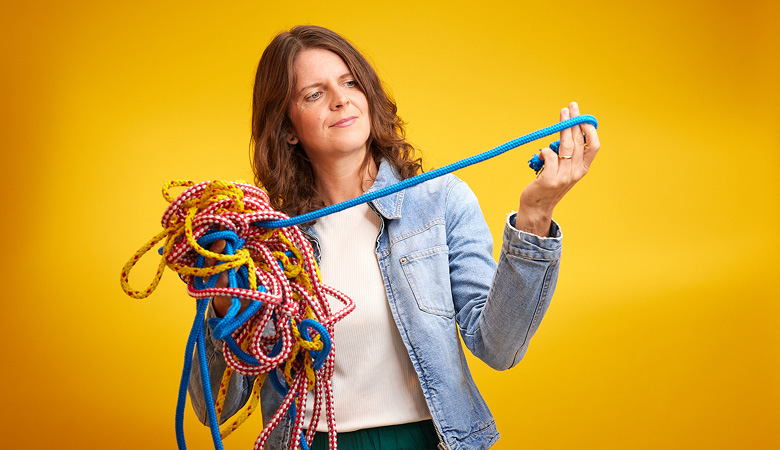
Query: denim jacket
[[435, 255]]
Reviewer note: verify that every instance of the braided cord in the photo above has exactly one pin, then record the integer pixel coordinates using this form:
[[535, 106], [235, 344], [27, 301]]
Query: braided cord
[[280, 320], [223, 387], [250, 407]]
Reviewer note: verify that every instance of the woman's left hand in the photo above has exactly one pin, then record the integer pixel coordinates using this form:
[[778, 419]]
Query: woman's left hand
[[559, 174]]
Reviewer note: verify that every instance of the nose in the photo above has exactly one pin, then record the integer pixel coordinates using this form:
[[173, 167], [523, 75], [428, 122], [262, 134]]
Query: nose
[[339, 99]]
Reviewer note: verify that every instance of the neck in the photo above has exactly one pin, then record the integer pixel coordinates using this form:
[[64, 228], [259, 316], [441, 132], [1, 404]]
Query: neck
[[342, 180]]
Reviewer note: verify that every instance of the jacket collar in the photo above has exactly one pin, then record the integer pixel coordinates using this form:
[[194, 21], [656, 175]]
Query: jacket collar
[[388, 206]]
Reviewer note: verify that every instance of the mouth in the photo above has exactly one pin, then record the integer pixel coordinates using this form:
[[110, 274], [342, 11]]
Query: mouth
[[343, 123]]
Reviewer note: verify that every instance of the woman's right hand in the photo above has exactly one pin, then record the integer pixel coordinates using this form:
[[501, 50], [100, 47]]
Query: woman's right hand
[[578, 147]]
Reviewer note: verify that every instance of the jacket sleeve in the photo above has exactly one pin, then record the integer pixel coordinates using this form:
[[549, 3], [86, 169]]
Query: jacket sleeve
[[239, 388], [498, 318]]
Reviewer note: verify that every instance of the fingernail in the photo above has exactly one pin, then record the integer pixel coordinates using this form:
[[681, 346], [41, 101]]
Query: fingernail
[[575, 107], [565, 112]]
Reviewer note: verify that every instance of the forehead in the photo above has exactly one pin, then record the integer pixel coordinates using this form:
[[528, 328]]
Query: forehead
[[316, 64]]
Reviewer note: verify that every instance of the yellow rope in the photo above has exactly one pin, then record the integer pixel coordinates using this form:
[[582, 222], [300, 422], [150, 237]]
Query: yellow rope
[[223, 205], [223, 387], [214, 192], [251, 406]]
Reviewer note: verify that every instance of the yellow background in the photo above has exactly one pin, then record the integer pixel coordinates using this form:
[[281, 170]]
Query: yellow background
[[664, 329]]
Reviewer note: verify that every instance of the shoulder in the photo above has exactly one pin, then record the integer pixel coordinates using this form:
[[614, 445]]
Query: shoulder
[[443, 198], [388, 175], [440, 188], [438, 195]]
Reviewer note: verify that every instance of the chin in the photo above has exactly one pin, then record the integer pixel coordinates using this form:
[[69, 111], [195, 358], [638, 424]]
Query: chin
[[352, 145]]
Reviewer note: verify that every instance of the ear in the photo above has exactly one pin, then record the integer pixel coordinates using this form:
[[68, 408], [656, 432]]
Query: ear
[[292, 140]]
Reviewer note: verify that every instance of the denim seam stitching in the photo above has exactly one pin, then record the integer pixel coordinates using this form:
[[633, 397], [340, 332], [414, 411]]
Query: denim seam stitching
[[422, 229], [490, 424], [413, 282], [422, 375], [420, 254], [540, 301]]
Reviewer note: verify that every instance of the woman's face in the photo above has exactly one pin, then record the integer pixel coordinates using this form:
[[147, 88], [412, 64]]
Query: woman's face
[[329, 113]]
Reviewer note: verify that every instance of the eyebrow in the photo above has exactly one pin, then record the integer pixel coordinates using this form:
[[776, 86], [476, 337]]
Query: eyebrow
[[320, 83]]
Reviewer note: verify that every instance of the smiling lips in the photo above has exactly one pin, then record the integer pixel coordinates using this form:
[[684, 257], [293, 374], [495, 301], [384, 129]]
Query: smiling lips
[[343, 123]]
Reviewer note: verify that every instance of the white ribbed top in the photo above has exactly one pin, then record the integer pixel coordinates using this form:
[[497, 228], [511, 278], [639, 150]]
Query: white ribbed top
[[374, 382]]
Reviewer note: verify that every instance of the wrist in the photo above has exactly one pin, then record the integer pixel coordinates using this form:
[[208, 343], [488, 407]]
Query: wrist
[[533, 220]]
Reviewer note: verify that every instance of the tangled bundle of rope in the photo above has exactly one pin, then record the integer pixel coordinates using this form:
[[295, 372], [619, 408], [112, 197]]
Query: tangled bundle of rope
[[283, 331]]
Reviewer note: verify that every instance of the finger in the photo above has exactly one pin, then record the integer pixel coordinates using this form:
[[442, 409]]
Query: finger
[[220, 303], [222, 281], [215, 247], [551, 161], [592, 145], [579, 140], [567, 145]]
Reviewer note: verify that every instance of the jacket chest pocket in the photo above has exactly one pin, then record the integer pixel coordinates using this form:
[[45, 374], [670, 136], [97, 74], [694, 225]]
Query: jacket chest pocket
[[428, 274]]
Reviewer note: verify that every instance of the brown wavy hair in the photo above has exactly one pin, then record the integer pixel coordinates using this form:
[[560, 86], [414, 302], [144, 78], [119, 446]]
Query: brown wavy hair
[[285, 171]]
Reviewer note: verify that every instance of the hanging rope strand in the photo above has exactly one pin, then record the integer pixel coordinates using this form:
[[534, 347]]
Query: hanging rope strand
[[286, 327]]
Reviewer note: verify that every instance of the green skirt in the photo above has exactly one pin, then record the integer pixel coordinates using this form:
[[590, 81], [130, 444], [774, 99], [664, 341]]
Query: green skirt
[[408, 436]]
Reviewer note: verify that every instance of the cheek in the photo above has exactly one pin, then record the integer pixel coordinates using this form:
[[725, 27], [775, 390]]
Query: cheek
[[313, 124], [366, 111], [304, 121], [363, 102]]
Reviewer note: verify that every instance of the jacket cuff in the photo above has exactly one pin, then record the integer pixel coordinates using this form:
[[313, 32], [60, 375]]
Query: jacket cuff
[[528, 245]]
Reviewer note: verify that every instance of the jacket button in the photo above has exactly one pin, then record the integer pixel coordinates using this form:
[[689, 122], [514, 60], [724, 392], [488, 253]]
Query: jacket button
[[403, 260]]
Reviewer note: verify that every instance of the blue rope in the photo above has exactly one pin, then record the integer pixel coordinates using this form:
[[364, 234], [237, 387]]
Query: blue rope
[[425, 176], [196, 339], [222, 328], [318, 356], [278, 382], [205, 380], [232, 320], [196, 336], [536, 162]]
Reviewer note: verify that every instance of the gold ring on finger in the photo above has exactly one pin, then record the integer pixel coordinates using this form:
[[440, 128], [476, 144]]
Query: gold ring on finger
[[564, 156]]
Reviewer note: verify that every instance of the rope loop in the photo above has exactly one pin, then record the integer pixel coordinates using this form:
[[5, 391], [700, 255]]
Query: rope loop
[[279, 322]]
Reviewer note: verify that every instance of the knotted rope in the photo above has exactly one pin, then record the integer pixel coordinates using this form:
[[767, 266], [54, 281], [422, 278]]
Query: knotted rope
[[284, 331]]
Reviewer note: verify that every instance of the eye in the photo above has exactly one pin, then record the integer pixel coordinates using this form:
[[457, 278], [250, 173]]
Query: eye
[[350, 83], [314, 96]]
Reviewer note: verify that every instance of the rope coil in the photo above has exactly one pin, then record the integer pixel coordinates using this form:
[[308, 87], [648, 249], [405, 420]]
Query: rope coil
[[286, 326]]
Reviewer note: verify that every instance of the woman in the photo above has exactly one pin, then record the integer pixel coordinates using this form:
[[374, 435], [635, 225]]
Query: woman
[[418, 263]]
